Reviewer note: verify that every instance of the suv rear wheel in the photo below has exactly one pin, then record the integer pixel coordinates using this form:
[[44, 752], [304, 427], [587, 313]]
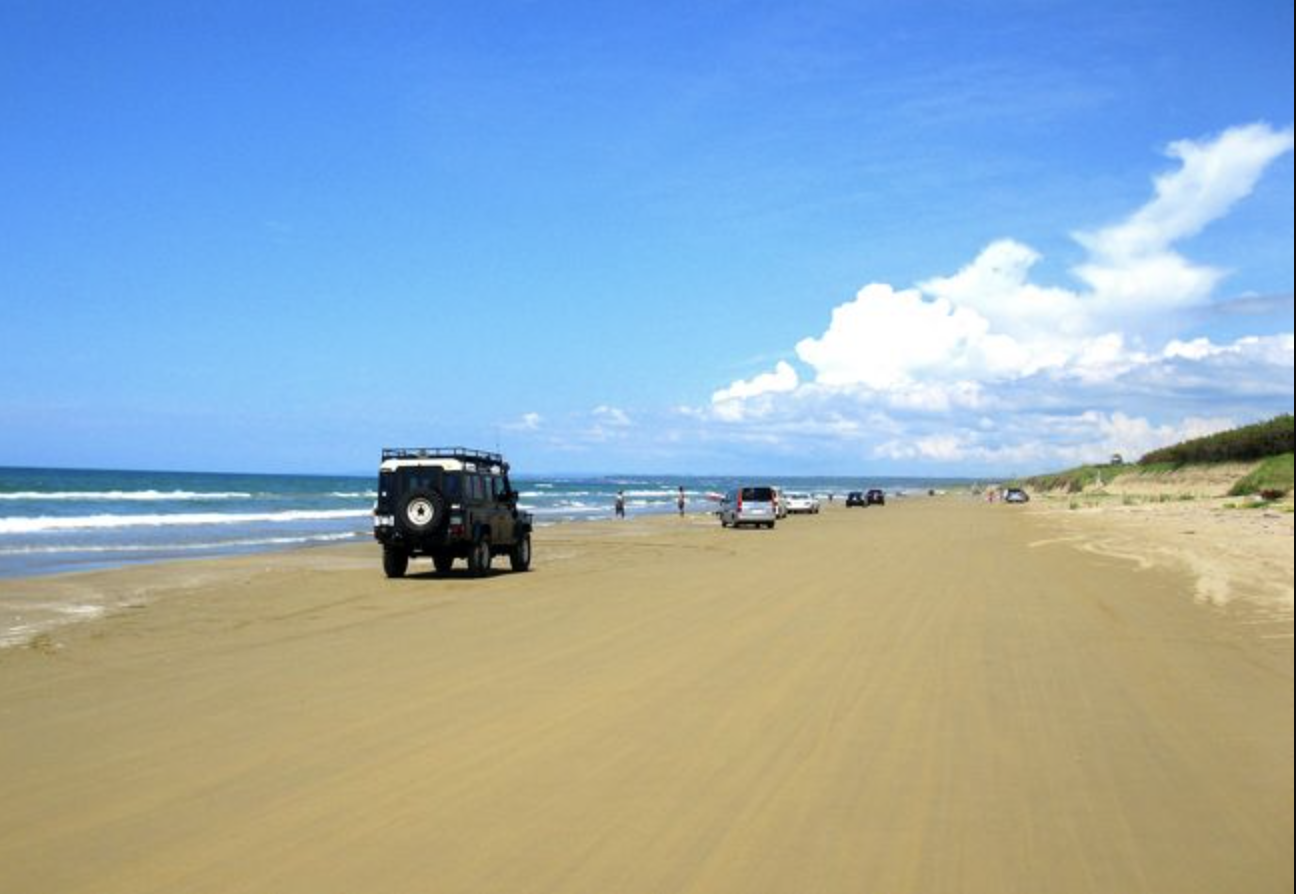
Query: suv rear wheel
[[395, 561], [520, 554], [479, 558]]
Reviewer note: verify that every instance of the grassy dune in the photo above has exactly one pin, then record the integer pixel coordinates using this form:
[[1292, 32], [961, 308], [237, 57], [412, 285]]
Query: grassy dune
[[1272, 476], [1253, 459]]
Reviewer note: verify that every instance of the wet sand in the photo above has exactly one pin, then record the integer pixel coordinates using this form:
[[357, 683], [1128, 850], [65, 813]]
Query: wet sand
[[936, 696]]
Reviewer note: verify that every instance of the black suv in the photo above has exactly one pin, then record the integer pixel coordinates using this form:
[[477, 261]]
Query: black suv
[[448, 503], [875, 497]]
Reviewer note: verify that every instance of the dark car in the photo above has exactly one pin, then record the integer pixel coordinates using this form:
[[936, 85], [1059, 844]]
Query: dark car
[[855, 498], [875, 497]]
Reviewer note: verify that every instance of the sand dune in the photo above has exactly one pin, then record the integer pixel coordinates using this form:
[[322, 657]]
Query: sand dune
[[938, 696]]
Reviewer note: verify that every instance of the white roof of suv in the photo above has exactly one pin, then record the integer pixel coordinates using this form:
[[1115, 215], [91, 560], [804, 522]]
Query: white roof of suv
[[450, 459]]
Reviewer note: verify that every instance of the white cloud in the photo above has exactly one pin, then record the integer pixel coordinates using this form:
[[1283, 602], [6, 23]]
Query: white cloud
[[997, 285], [1042, 440], [612, 416], [1134, 436], [1132, 269], [884, 338], [1274, 350], [933, 397], [988, 343], [942, 448], [988, 322], [729, 402], [1214, 176], [527, 422]]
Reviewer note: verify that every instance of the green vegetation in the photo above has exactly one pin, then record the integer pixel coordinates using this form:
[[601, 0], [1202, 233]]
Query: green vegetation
[[1245, 444], [1073, 481], [1271, 442], [1271, 479], [1254, 504]]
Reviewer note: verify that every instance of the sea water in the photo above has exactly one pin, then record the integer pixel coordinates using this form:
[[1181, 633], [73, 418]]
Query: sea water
[[55, 521]]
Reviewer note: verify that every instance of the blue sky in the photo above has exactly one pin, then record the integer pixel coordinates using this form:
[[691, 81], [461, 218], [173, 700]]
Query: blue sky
[[955, 238]]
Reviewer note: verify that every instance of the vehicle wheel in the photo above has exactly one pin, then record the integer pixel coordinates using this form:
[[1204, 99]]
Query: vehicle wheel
[[395, 561], [442, 562], [479, 559], [421, 511], [520, 554]]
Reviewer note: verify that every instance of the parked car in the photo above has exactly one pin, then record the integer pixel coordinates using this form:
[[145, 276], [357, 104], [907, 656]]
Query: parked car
[[801, 503], [855, 498], [1016, 495], [875, 497], [752, 505]]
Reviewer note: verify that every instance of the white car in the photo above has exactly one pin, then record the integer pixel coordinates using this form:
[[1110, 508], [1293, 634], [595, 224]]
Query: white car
[[801, 504]]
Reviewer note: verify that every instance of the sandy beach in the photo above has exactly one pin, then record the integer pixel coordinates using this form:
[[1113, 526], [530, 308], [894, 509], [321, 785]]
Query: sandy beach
[[941, 695]]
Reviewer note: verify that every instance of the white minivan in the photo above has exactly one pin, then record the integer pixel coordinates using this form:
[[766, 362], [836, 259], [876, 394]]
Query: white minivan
[[751, 505]]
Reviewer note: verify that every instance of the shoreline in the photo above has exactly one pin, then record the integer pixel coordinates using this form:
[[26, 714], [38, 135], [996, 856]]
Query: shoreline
[[23, 618], [1239, 554], [57, 521]]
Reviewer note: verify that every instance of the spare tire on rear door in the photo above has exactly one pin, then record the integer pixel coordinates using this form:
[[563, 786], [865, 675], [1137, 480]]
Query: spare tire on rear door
[[421, 511]]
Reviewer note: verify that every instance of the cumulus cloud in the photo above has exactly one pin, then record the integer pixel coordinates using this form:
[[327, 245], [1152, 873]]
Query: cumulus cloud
[[989, 339], [782, 379], [884, 338], [734, 402]]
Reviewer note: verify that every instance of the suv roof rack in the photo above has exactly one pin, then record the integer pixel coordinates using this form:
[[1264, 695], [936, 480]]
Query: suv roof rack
[[463, 454]]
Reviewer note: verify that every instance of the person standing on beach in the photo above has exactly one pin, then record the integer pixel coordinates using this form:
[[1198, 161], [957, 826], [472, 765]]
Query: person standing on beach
[[620, 504], [681, 501]]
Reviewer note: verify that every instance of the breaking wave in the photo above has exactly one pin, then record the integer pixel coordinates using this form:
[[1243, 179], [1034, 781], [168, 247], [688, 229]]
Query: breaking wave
[[142, 496], [16, 525]]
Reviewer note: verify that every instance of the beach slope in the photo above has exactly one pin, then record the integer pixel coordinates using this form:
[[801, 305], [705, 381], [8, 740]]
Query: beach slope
[[936, 696]]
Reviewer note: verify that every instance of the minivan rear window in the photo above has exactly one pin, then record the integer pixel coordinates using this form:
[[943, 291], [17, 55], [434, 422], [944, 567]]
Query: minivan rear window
[[758, 494]]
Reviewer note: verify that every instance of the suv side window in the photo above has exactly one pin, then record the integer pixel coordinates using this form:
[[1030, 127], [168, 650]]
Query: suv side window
[[452, 489]]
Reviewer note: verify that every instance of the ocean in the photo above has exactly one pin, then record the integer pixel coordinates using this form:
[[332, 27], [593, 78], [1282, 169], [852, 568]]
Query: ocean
[[54, 521]]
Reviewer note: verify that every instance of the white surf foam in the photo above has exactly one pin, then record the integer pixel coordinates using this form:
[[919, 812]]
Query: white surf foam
[[18, 525], [69, 548], [122, 495]]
